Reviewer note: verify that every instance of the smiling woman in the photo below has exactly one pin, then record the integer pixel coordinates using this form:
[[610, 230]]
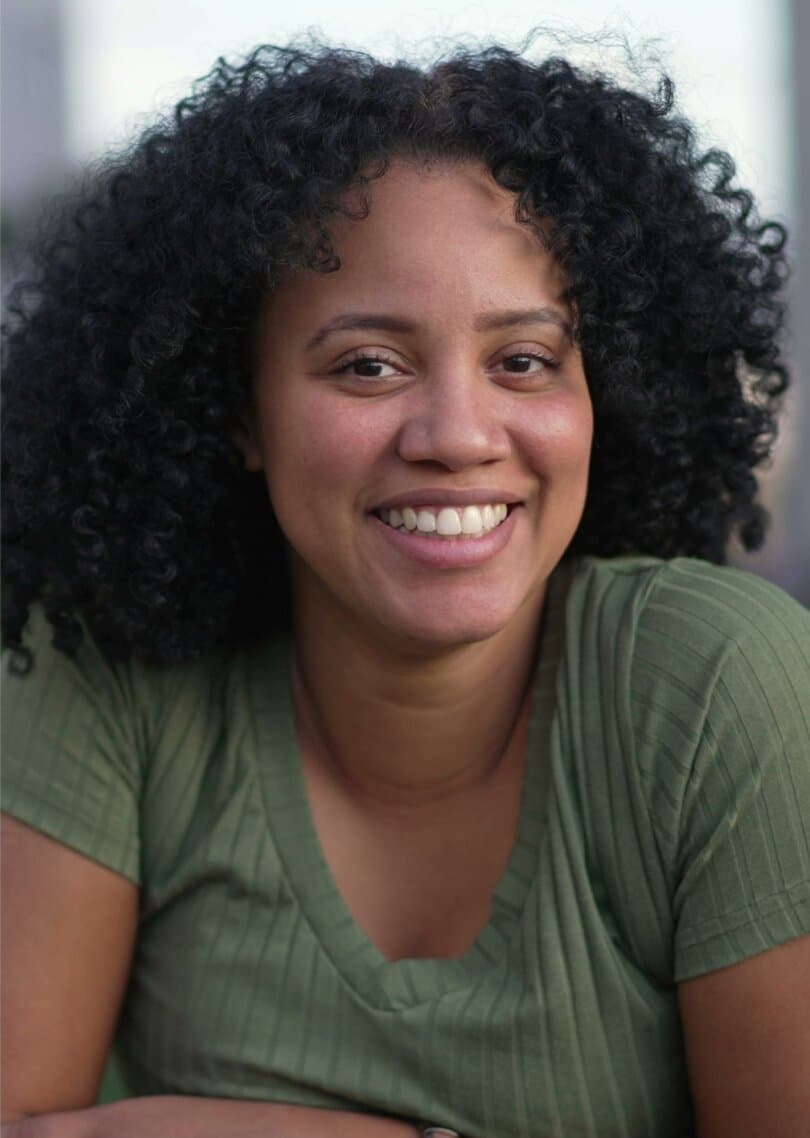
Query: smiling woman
[[474, 394], [383, 733]]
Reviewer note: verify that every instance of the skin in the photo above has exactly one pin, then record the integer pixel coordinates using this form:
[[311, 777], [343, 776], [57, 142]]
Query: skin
[[440, 658]]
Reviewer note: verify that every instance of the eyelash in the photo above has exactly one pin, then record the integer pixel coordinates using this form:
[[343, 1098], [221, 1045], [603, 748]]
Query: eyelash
[[547, 362]]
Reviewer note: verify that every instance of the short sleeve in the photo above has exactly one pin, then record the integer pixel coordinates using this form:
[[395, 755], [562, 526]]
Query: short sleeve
[[73, 749], [729, 657]]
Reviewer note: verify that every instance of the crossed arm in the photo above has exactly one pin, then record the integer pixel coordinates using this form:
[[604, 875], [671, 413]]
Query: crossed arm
[[69, 929], [172, 1115]]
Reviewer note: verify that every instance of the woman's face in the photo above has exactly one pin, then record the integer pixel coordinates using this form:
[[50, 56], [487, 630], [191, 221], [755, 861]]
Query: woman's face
[[430, 377]]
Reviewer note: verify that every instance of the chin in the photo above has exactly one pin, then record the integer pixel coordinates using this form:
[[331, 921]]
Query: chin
[[443, 630]]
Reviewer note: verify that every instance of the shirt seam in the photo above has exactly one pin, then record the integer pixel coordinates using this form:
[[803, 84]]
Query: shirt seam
[[750, 912]]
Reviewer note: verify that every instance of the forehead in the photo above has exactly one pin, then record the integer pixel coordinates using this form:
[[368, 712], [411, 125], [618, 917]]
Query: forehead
[[438, 238], [424, 192]]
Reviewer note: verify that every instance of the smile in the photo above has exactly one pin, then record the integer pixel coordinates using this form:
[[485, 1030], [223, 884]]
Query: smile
[[446, 522]]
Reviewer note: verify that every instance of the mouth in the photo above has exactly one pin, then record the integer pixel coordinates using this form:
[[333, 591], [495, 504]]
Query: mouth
[[448, 523], [433, 549]]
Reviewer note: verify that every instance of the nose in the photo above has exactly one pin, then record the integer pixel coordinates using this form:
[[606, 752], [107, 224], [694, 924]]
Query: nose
[[455, 423]]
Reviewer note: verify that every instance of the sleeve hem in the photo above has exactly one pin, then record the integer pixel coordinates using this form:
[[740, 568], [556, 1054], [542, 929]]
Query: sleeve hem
[[773, 921], [63, 829]]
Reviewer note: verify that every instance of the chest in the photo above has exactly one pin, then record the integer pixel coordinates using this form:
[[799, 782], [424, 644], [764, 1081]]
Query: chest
[[246, 986], [418, 884]]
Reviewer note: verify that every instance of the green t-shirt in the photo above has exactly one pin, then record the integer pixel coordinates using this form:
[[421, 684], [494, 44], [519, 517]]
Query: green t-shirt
[[664, 832]]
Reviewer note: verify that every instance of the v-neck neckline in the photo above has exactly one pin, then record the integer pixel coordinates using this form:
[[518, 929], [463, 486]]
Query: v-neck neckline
[[381, 982]]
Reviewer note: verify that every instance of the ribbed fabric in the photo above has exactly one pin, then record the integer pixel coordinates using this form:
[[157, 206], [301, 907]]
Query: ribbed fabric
[[664, 832]]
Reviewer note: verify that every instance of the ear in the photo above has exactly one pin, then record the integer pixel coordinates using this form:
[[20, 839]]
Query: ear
[[245, 437]]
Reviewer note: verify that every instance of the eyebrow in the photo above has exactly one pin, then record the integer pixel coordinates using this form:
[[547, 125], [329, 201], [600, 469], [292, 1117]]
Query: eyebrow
[[383, 322]]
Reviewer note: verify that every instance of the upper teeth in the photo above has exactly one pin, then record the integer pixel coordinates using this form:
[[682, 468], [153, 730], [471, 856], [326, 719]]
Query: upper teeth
[[446, 521]]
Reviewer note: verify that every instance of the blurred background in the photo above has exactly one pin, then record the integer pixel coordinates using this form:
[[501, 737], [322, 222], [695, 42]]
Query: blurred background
[[80, 77]]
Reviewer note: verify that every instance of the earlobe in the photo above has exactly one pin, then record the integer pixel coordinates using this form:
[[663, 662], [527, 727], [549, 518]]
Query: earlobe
[[244, 437]]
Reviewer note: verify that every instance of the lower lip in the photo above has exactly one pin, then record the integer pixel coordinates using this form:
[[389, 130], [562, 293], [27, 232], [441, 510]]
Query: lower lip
[[448, 553]]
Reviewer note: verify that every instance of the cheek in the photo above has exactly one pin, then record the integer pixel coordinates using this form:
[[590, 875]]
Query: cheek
[[557, 437], [318, 449]]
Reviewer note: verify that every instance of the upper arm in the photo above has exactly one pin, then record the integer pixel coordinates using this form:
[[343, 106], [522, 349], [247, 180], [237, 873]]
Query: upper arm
[[722, 688], [74, 732], [747, 1038], [69, 927]]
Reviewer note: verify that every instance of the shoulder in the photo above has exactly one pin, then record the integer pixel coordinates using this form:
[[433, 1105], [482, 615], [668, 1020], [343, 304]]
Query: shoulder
[[698, 676], [130, 681], [687, 608], [101, 755], [690, 584], [146, 709], [696, 680]]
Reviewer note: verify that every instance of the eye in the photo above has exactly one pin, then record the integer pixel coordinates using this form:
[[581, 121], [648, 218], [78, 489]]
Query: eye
[[528, 363], [367, 367]]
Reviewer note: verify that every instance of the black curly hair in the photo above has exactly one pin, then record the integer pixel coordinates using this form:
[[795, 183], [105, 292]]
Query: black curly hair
[[127, 362]]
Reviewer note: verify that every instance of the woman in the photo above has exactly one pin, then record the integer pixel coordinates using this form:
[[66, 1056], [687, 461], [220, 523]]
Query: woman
[[403, 754]]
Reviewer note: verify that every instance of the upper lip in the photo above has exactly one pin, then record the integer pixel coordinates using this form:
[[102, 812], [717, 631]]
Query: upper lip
[[434, 496]]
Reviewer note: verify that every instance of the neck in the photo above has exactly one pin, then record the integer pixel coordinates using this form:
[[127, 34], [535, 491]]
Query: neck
[[399, 732]]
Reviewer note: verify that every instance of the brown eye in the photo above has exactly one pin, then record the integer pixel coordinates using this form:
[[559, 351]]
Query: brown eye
[[524, 361], [368, 367]]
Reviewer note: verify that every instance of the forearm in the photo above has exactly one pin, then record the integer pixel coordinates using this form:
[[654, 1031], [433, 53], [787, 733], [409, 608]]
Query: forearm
[[180, 1116]]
